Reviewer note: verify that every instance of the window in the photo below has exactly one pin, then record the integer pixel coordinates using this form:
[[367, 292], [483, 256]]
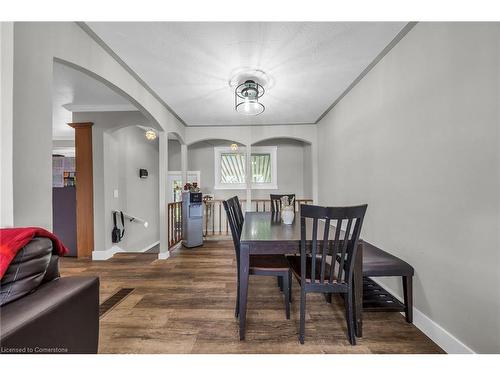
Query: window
[[230, 168], [261, 168]]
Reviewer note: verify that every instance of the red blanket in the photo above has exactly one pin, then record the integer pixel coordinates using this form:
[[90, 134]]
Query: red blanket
[[14, 239]]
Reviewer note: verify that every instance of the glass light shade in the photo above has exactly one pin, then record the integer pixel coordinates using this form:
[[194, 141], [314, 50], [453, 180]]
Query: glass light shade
[[246, 98], [234, 147], [150, 135], [250, 107]]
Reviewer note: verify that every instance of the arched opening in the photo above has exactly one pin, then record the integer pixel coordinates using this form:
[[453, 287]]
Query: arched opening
[[124, 165]]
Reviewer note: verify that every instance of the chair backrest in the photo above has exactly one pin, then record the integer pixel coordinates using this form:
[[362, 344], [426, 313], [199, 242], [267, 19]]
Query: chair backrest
[[342, 246], [231, 207], [240, 216], [276, 201]]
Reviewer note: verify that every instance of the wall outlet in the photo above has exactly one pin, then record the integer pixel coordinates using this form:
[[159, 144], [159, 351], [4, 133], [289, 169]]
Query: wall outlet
[[115, 193]]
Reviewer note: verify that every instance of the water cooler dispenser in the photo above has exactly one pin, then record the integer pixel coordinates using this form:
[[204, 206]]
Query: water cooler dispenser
[[192, 219]]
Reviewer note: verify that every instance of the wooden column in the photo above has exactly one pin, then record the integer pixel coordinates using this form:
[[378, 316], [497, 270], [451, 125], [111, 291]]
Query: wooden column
[[84, 189]]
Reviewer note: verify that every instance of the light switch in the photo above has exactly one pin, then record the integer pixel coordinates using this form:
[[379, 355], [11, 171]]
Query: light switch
[[115, 193]]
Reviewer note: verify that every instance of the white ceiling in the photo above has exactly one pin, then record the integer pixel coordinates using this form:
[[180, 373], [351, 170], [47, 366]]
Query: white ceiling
[[74, 91], [189, 65]]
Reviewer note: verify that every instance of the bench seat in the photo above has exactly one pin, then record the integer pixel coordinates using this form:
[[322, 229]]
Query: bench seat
[[379, 263]]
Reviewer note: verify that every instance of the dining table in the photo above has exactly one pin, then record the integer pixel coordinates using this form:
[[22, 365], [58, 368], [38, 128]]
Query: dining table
[[264, 233]]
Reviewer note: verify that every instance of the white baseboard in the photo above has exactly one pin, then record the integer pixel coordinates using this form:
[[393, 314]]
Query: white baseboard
[[175, 247], [163, 255], [449, 343], [106, 254], [146, 248]]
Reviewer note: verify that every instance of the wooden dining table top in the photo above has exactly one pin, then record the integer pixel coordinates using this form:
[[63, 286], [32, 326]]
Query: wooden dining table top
[[266, 226]]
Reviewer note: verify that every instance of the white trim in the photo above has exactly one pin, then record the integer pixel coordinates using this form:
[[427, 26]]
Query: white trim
[[217, 155], [99, 107], [163, 255], [449, 343], [177, 246], [106, 254]]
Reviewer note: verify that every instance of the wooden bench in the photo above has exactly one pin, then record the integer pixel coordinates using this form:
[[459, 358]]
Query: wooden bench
[[379, 263]]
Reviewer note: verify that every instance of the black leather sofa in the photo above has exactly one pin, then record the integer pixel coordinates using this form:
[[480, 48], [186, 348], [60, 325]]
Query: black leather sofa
[[41, 312]]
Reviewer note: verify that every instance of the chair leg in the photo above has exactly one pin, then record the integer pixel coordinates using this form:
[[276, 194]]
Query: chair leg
[[350, 317], [280, 282], [328, 297], [408, 297], [302, 328], [286, 292], [290, 285], [237, 309]]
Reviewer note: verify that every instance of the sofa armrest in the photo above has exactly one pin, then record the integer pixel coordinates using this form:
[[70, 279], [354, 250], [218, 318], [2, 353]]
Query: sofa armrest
[[61, 316]]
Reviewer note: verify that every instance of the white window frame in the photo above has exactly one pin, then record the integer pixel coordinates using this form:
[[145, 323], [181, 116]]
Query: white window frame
[[272, 150], [218, 151]]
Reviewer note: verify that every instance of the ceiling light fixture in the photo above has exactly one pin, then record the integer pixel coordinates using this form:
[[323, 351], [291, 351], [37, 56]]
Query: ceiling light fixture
[[150, 135], [234, 147], [246, 98]]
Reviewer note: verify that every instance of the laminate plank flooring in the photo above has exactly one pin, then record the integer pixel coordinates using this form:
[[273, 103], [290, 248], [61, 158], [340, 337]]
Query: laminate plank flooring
[[185, 304]]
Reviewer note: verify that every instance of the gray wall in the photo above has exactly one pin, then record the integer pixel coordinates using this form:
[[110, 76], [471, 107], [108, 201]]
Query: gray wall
[[6, 129], [138, 197], [119, 150], [174, 155], [418, 140], [32, 130]]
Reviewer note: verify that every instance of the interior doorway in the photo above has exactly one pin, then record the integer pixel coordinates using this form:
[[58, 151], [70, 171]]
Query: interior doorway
[[64, 197]]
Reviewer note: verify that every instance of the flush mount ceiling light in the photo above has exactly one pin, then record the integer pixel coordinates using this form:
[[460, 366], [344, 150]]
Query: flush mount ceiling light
[[234, 147], [246, 98], [150, 135]]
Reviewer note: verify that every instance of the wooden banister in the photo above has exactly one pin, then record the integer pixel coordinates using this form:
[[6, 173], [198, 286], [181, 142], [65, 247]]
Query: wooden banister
[[174, 223], [214, 214]]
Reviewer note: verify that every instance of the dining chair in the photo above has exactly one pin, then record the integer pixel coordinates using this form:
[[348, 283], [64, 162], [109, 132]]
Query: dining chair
[[239, 213], [263, 265], [276, 201], [314, 271]]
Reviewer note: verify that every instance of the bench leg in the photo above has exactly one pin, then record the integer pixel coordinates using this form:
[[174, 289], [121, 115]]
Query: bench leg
[[408, 297]]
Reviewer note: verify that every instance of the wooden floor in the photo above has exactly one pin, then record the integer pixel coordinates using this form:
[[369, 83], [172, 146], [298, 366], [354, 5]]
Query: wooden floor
[[185, 304]]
